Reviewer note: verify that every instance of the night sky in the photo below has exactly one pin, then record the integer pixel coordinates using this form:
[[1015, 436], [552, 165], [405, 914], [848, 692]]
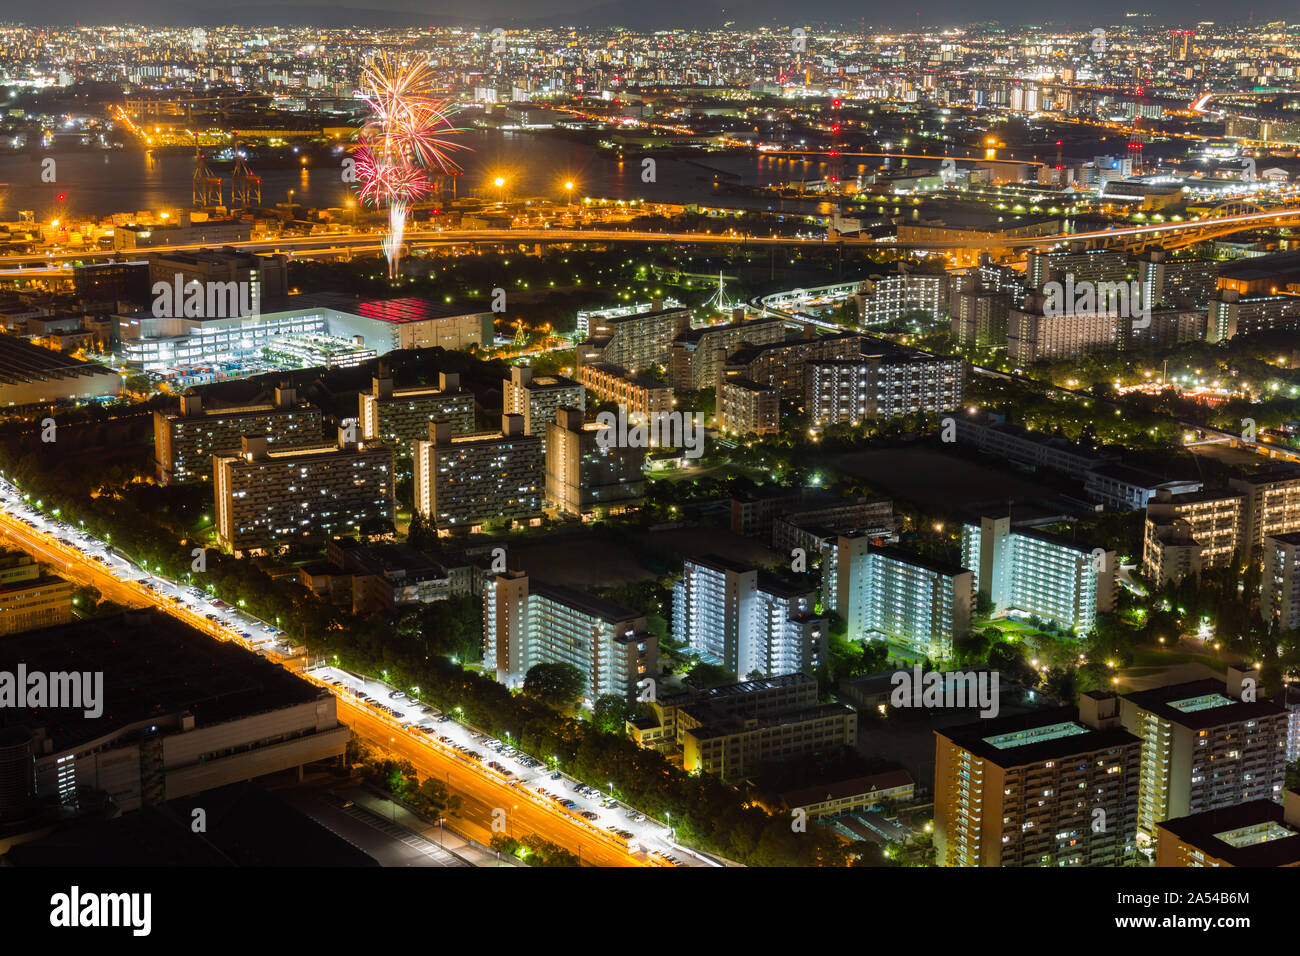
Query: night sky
[[633, 13]]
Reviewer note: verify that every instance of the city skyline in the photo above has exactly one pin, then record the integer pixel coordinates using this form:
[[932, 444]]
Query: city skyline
[[674, 442]]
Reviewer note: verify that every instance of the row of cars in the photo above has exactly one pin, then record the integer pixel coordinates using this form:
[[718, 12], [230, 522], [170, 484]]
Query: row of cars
[[509, 764]]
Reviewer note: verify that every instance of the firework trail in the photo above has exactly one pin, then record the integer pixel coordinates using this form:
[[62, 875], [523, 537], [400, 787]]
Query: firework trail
[[403, 140]]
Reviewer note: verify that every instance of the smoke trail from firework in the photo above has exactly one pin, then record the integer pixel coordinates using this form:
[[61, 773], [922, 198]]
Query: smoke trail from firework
[[399, 142]]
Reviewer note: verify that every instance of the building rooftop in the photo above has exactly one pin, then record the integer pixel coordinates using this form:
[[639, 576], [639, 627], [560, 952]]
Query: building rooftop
[[1035, 737], [408, 309], [154, 666], [1250, 834], [917, 560], [727, 724], [21, 361], [1200, 704], [842, 789]]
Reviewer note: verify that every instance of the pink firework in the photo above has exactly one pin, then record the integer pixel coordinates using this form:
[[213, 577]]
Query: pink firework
[[402, 140]]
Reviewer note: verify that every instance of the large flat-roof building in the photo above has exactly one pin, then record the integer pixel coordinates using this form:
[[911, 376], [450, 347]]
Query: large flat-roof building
[[463, 481], [527, 622], [267, 498], [185, 440], [181, 713], [168, 343], [1255, 834], [32, 375]]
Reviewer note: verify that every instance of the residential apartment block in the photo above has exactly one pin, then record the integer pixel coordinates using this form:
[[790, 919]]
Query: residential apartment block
[[780, 365], [886, 382], [582, 478], [266, 498], [1279, 589], [634, 342], [1190, 532], [527, 622], [887, 594], [747, 408], [539, 397], [1206, 745], [1255, 834], [1030, 790], [746, 620], [1050, 577], [400, 417], [697, 355], [462, 481], [185, 440], [637, 393]]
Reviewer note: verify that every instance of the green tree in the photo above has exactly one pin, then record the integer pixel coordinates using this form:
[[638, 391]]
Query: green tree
[[611, 712], [559, 685]]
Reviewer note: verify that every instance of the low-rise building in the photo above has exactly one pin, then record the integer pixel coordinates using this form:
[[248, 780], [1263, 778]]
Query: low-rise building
[[30, 599], [179, 713], [851, 796], [736, 745]]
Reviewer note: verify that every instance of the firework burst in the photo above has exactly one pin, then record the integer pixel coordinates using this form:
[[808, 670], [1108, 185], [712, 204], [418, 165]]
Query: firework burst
[[402, 141]]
